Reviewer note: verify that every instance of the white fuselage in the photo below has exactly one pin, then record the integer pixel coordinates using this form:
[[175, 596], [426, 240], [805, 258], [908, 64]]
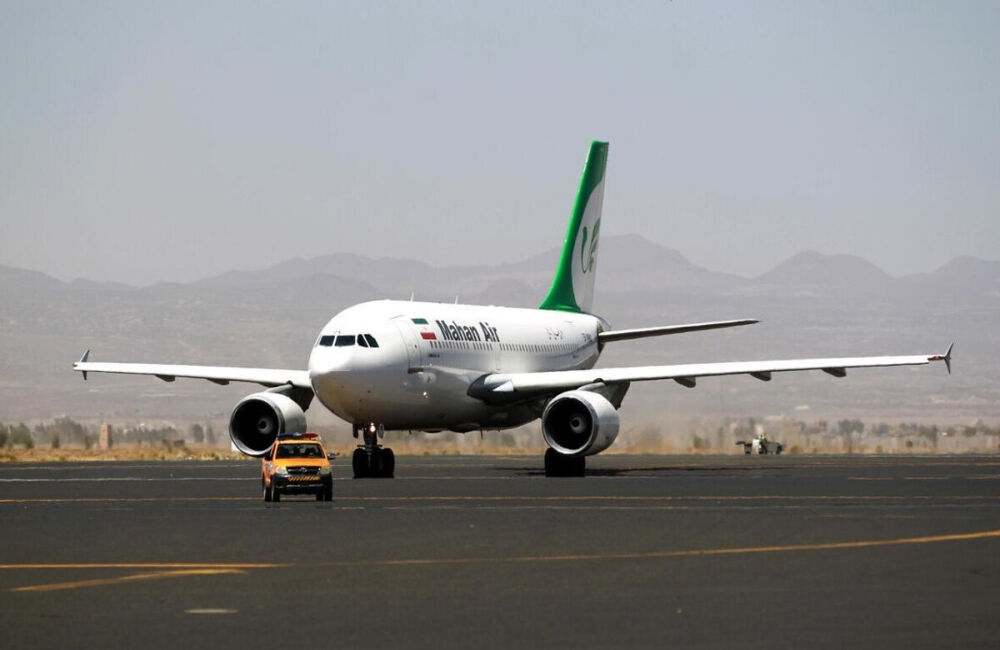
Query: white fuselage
[[429, 354]]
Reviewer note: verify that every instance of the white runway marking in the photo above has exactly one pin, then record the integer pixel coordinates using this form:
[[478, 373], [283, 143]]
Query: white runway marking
[[121, 479]]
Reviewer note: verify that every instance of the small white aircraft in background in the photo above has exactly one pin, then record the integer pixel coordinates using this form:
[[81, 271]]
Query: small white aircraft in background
[[418, 366]]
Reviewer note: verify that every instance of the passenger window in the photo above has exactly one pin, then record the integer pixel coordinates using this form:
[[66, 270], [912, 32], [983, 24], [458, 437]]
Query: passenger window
[[372, 343], [344, 340], [326, 341], [361, 341]]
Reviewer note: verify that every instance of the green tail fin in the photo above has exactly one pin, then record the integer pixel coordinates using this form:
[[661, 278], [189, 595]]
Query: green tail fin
[[573, 286]]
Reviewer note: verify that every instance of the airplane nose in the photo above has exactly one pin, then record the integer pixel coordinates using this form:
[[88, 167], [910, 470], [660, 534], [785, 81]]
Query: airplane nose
[[328, 364]]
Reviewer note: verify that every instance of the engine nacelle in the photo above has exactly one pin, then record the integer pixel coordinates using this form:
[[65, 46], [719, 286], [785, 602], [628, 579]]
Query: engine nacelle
[[579, 423], [259, 418]]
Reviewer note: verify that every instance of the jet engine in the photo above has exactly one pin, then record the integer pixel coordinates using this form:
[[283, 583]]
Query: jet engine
[[259, 418], [579, 423]]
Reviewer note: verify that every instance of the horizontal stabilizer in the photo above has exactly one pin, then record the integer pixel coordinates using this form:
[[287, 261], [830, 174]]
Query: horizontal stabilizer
[[624, 335]]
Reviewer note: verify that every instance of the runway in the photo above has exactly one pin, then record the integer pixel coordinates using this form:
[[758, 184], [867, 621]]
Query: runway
[[458, 552]]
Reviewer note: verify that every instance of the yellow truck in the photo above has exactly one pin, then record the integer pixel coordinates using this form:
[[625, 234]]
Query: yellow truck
[[297, 464]]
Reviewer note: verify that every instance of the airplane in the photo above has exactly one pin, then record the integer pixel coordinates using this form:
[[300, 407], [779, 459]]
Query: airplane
[[422, 366]]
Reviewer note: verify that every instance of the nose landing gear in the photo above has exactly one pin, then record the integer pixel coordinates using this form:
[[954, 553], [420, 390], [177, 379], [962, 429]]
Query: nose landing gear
[[372, 460]]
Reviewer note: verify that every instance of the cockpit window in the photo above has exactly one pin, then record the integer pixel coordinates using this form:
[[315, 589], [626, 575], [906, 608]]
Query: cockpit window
[[347, 340]]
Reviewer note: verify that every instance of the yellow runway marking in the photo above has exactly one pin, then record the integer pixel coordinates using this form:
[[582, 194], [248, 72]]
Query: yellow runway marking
[[180, 570], [932, 539], [135, 577]]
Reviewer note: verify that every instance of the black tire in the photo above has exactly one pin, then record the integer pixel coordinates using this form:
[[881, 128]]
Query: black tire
[[268, 494], [328, 493], [376, 463], [359, 462], [388, 463], [560, 465], [319, 496], [552, 463], [275, 494]]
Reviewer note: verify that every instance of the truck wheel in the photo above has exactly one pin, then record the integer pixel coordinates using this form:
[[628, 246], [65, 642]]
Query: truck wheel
[[328, 493]]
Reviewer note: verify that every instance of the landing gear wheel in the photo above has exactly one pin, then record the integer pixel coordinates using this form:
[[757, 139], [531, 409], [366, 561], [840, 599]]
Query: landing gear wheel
[[375, 463], [388, 463], [359, 462], [380, 463], [557, 464]]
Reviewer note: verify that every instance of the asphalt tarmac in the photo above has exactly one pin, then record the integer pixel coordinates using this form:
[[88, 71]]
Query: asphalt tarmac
[[460, 552]]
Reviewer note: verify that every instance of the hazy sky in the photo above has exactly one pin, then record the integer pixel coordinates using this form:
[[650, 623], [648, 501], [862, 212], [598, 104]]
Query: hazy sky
[[143, 142]]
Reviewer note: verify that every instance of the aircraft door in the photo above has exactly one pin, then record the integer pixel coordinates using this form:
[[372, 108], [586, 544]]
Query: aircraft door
[[412, 341]]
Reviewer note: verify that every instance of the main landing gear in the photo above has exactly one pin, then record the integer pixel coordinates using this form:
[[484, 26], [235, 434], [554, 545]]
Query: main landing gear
[[557, 464], [371, 460]]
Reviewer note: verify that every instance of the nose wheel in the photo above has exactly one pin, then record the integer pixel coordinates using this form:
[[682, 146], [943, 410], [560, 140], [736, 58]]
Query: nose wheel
[[371, 460]]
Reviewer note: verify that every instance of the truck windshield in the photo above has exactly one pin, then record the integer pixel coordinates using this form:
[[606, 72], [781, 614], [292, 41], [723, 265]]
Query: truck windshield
[[304, 450]]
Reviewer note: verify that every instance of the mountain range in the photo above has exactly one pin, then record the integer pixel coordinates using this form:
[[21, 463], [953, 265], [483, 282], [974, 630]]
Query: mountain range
[[811, 305]]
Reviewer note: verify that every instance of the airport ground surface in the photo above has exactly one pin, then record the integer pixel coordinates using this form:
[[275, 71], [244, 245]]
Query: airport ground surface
[[459, 552]]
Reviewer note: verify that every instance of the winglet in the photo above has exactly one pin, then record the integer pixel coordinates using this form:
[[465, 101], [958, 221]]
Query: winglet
[[946, 357], [86, 355]]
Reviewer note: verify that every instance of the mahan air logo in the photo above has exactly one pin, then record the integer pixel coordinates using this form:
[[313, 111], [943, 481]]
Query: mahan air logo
[[588, 251]]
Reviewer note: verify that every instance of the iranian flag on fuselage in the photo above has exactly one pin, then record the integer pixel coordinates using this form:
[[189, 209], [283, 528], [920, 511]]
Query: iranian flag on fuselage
[[425, 331]]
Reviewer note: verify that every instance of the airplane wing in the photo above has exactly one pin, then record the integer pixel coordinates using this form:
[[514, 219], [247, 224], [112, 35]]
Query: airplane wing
[[626, 335], [505, 387], [269, 377]]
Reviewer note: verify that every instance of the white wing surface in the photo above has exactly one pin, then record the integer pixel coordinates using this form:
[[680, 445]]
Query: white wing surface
[[625, 335], [269, 377], [505, 386]]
